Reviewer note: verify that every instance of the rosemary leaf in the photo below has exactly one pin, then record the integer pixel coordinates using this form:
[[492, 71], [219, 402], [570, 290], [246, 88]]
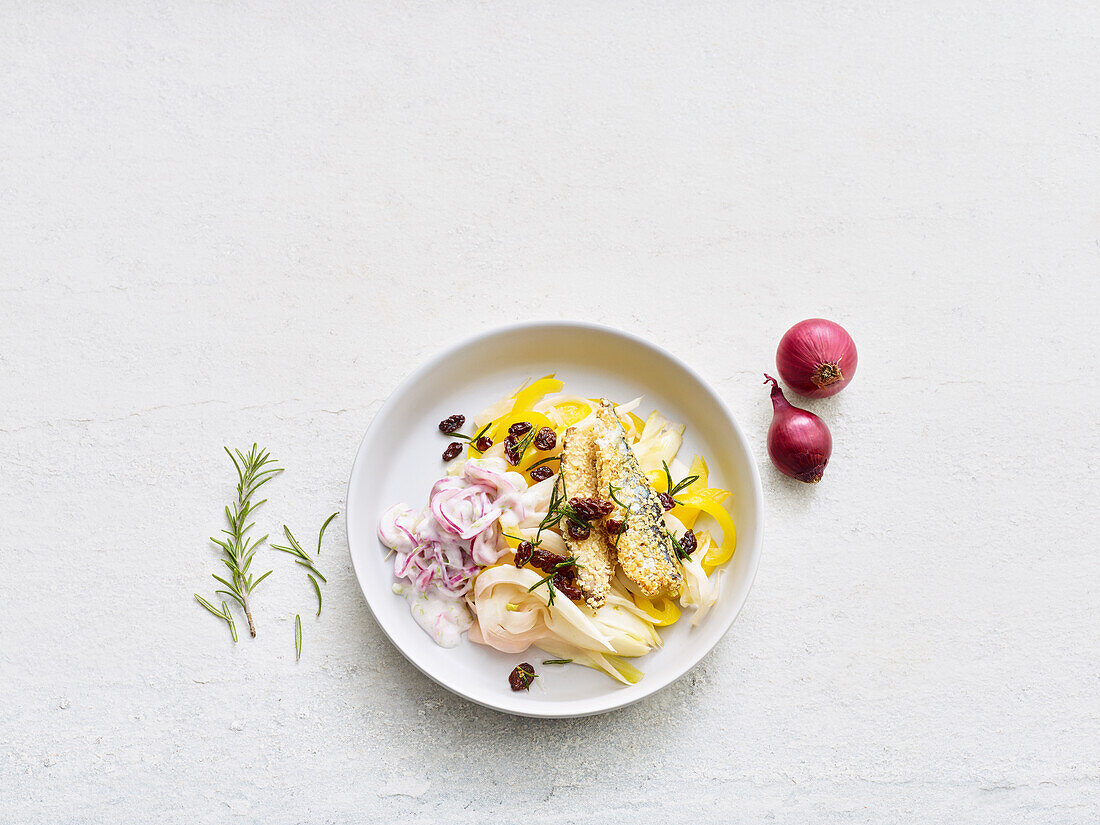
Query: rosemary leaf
[[222, 614], [302, 556], [231, 595], [547, 580], [681, 554], [298, 637], [223, 581], [521, 448], [324, 526], [544, 461], [229, 618], [478, 437], [684, 483], [209, 606], [309, 566]]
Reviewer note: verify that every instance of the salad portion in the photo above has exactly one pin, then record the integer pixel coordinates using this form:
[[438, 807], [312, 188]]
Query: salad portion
[[563, 523]]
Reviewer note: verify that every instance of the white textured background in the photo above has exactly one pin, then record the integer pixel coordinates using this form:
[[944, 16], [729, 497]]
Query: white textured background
[[225, 222]]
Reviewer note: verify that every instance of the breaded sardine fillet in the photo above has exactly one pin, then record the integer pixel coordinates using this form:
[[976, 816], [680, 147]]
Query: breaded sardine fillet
[[644, 548], [595, 556]]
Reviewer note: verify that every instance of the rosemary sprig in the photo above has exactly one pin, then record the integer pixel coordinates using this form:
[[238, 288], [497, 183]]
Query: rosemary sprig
[[681, 553], [297, 637], [521, 448], [552, 517], [673, 489], [303, 558], [472, 438], [253, 472], [556, 661], [548, 578]]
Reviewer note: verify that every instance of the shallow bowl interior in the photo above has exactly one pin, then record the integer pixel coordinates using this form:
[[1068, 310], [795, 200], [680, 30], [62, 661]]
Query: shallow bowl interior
[[399, 460]]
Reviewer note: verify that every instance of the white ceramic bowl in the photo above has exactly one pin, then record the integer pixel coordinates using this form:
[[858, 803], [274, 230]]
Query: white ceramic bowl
[[399, 460]]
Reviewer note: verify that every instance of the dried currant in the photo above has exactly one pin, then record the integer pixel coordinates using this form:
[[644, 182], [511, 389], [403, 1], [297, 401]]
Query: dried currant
[[483, 444], [452, 451], [541, 473], [510, 450], [524, 553], [545, 561], [666, 501], [520, 428], [591, 509], [451, 423], [688, 542], [565, 581], [546, 439], [521, 677], [613, 526], [578, 532]]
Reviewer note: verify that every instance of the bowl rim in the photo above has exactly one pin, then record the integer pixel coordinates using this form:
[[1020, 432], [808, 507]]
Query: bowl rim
[[608, 703]]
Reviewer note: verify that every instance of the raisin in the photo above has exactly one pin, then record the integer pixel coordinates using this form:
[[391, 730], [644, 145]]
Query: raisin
[[520, 428], [452, 451], [524, 553], [510, 451], [666, 501], [688, 542], [591, 509], [483, 444], [578, 532], [565, 581], [451, 423], [613, 526], [546, 439], [521, 677], [545, 561], [541, 473]]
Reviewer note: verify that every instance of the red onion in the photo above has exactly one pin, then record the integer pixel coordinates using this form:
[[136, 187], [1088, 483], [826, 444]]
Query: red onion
[[799, 442], [816, 358]]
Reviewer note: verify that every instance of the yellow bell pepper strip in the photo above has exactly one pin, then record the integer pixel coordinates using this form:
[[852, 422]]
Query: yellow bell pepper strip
[[499, 431], [530, 395], [571, 412], [511, 540], [687, 512], [697, 498], [682, 511], [525, 398], [661, 611], [471, 450], [709, 502]]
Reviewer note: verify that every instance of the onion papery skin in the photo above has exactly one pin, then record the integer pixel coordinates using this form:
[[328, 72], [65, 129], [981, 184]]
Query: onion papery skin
[[816, 358], [799, 442]]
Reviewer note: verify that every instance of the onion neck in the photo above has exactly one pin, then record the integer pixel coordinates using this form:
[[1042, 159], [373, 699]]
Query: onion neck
[[779, 400], [826, 374]]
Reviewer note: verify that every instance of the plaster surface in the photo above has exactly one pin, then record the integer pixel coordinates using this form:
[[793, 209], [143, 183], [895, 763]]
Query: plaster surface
[[232, 222]]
